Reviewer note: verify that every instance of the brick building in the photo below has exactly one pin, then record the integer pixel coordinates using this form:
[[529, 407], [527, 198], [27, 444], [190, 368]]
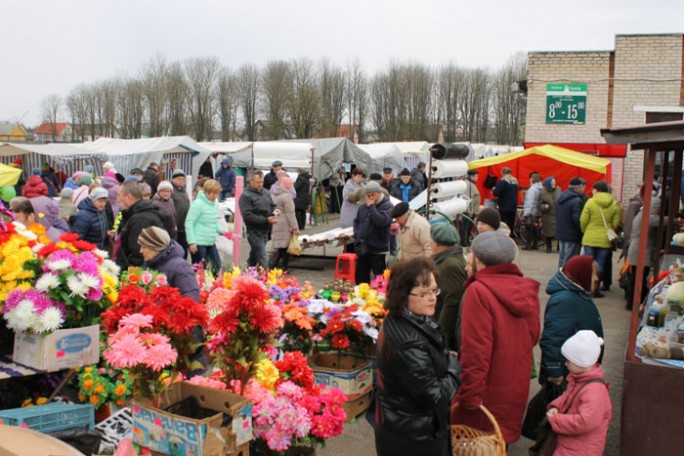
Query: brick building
[[572, 95]]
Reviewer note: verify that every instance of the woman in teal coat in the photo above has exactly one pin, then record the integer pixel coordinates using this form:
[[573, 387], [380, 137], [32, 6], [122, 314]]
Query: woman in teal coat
[[202, 226], [601, 206]]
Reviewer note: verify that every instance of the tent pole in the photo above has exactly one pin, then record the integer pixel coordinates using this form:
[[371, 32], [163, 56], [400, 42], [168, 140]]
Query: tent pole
[[429, 187], [311, 184]]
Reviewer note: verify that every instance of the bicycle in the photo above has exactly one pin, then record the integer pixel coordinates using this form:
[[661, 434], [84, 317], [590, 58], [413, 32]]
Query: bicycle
[[520, 231]]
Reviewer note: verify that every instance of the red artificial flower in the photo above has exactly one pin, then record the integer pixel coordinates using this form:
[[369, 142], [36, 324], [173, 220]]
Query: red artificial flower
[[335, 325], [48, 249], [83, 245], [355, 325], [340, 341], [266, 318], [69, 237], [295, 367]]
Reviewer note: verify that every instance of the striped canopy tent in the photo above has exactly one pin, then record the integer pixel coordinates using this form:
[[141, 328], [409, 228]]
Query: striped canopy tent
[[66, 157], [549, 160]]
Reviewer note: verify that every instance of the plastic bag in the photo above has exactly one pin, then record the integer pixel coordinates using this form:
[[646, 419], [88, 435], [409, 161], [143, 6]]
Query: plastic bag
[[294, 248]]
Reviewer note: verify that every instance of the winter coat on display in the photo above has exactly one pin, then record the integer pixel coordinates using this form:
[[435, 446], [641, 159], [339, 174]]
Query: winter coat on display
[[583, 429], [35, 187], [90, 224], [256, 207], [451, 278], [372, 225], [168, 212], [139, 215], [181, 202], [499, 326], [286, 222], [414, 238], [301, 186], [592, 223], [349, 209], [568, 211], [112, 186], [151, 178], [570, 309], [549, 198], [506, 191], [202, 223], [171, 262], [417, 380]]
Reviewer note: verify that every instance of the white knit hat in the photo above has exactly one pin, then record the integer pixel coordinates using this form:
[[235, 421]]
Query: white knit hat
[[583, 349]]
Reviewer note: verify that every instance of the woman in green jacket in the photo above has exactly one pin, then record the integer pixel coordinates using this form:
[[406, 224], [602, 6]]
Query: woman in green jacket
[[599, 208], [202, 226]]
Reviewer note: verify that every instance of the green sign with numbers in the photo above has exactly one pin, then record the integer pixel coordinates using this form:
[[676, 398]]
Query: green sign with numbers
[[566, 103]]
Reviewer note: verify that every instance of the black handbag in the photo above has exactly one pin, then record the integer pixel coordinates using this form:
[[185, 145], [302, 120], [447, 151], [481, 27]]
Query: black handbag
[[536, 409]]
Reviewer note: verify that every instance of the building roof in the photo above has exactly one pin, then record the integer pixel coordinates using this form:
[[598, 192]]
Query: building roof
[[46, 128], [649, 134], [6, 128]]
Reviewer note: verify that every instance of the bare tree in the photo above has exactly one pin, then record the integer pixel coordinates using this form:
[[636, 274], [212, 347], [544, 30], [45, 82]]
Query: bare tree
[[130, 107], [202, 76], [420, 103], [303, 98], [450, 85], [227, 103], [248, 84], [475, 104], [51, 107], [332, 93], [510, 106], [155, 88], [178, 96], [357, 97], [77, 107], [275, 83]]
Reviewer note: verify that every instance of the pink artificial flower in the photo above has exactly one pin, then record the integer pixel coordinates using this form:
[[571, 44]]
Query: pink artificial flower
[[208, 382], [137, 320], [125, 352], [157, 357], [161, 280], [146, 277]]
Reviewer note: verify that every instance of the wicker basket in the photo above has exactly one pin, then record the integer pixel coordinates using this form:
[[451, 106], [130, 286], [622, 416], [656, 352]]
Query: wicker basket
[[468, 441]]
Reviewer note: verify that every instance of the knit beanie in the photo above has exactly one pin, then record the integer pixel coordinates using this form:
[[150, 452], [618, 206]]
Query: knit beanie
[[164, 185], [87, 179], [579, 270], [489, 216], [373, 187], [90, 169], [493, 248], [98, 193], [583, 349], [154, 238], [67, 192], [35, 171], [444, 233], [77, 176]]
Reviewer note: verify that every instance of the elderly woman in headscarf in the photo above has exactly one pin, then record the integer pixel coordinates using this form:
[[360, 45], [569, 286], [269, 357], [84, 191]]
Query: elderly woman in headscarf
[[547, 206], [634, 253], [570, 309]]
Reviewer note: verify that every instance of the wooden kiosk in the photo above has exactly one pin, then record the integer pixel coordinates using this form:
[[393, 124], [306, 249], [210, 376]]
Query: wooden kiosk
[[653, 395]]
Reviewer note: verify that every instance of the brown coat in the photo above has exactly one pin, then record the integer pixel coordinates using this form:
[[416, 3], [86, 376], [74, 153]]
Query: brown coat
[[548, 216], [286, 222], [414, 238]]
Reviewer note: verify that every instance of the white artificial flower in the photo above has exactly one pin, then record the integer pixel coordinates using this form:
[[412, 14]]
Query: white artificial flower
[[58, 265], [50, 320], [47, 282], [88, 281], [101, 253], [371, 332], [76, 286], [363, 316], [25, 309], [111, 268]]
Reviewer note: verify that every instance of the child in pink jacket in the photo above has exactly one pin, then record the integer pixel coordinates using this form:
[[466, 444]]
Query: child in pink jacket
[[583, 428]]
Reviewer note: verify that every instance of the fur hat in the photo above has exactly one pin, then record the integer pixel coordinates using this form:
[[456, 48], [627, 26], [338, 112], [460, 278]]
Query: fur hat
[[98, 193], [489, 216], [444, 233], [583, 349], [494, 247], [154, 238]]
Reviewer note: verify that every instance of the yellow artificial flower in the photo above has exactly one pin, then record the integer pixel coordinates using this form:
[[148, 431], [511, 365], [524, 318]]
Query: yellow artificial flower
[[99, 389], [267, 374], [363, 290], [87, 385], [120, 389], [94, 399], [41, 400], [27, 402]]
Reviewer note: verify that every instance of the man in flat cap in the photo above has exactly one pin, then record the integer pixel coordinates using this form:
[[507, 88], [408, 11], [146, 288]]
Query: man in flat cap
[[498, 327], [388, 179], [372, 233], [272, 177]]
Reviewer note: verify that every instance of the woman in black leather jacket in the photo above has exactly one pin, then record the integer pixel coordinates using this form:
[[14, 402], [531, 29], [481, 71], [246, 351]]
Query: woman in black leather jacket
[[417, 376]]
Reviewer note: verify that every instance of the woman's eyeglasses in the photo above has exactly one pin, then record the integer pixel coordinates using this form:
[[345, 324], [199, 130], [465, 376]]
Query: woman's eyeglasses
[[425, 294]]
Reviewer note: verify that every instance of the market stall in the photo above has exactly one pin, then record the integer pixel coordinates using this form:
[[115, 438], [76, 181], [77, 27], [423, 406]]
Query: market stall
[[652, 410]]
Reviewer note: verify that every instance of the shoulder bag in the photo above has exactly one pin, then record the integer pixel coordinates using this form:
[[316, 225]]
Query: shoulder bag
[[612, 235]]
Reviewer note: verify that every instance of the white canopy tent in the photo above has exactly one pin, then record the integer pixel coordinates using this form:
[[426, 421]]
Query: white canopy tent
[[262, 154], [331, 153], [418, 149], [384, 155], [66, 157]]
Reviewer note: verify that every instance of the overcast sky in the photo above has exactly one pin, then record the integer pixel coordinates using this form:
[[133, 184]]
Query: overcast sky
[[52, 46]]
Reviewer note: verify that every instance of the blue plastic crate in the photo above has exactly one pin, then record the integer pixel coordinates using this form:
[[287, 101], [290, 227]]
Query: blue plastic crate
[[55, 416]]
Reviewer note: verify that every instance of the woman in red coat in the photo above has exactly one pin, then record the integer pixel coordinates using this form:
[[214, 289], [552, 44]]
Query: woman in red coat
[[35, 185], [499, 326]]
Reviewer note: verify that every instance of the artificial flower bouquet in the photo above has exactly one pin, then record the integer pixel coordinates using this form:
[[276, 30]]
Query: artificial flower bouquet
[[98, 386]]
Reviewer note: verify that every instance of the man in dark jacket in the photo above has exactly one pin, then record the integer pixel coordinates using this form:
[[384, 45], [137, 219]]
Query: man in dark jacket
[[271, 178], [137, 215], [506, 191], [151, 177], [568, 210], [165, 255], [303, 200], [256, 207], [405, 189], [226, 177], [206, 170], [48, 176], [181, 202], [418, 175], [372, 233]]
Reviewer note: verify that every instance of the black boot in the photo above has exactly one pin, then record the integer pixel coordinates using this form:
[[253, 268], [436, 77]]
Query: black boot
[[597, 287], [548, 245]]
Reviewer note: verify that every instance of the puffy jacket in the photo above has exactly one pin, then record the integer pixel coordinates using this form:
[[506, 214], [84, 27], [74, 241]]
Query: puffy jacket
[[168, 212], [181, 202], [112, 186], [286, 222], [202, 223], [35, 187], [256, 208], [90, 224], [531, 203], [569, 309], [417, 380], [568, 211], [582, 430], [138, 216], [226, 177], [350, 208], [151, 178], [506, 191], [499, 326], [397, 190], [301, 186], [179, 273], [592, 222], [451, 278], [80, 194], [372, 225]]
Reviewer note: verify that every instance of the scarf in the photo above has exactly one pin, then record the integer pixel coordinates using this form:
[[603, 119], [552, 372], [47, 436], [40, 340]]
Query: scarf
[[405, 190]]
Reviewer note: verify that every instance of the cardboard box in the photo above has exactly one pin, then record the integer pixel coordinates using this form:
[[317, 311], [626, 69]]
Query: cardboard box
[[17, 441], [356, 407], [168, 433], [62, 349], [352, 375]]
